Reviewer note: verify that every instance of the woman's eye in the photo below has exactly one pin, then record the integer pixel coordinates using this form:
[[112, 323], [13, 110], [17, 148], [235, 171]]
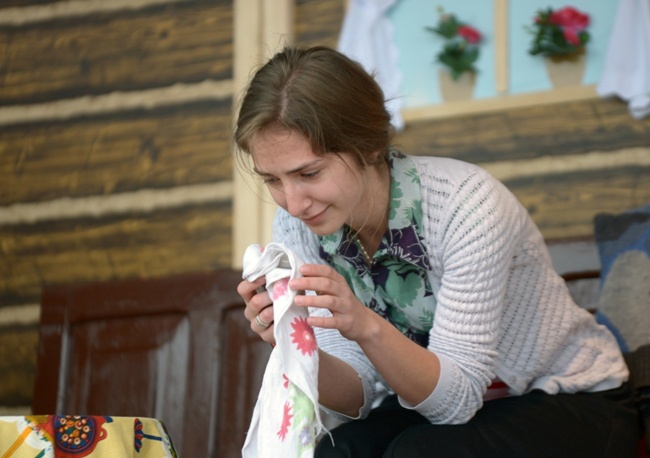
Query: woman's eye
[[310, 174], [270, 181]]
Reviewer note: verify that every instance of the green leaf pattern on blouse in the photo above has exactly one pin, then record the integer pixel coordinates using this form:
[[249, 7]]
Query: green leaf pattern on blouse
[[395, 285]]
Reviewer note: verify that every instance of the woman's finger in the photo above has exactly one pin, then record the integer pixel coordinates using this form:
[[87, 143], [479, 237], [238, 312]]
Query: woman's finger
[[319, 278], [255, 301], [264, 318], [247, 289]]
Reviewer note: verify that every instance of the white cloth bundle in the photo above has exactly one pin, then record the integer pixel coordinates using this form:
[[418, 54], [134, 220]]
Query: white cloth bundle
[[286, 420]]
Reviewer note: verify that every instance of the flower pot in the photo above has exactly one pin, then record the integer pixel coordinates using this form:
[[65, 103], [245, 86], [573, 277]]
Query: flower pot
[[460, 89], [566, 69]]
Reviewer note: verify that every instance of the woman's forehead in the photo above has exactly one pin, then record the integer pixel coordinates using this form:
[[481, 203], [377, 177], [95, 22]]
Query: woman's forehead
[[282, 150]]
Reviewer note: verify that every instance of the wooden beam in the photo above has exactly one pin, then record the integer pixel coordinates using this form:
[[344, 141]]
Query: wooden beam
[[124, 152], [318, 22], [153, 47], [188, 239], [564, 205], [501, 60], [540, 130], [261, 27], [21, 12], [17, 364], [478, 106]]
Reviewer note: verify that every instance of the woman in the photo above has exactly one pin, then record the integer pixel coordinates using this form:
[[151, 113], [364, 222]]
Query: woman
[[442, 327]]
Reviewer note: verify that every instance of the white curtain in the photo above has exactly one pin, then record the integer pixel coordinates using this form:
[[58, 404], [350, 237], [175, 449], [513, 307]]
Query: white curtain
[[627, 63], [367, 37]]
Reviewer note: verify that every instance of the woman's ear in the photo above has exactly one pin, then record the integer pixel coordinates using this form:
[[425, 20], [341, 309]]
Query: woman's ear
[[376, 158]]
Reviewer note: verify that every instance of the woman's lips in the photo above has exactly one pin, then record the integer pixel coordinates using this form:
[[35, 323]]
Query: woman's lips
[[314, 220]]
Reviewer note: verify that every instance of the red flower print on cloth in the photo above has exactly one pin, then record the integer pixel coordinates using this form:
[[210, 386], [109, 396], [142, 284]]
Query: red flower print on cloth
[[280, 288], [286, 418], [286, 422], [303, 336]]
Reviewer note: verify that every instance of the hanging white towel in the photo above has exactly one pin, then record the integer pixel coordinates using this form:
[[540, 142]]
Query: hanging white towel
[[627, 64], [286, 419], [367, 37]]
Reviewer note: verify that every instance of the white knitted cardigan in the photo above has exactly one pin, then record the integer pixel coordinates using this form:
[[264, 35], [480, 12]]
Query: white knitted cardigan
[[502, 311]]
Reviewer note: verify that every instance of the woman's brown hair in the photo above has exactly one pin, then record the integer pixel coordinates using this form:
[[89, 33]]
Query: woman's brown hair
[[323, 95]]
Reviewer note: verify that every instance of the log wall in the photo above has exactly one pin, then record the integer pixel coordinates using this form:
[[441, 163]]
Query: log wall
[[115, 151]]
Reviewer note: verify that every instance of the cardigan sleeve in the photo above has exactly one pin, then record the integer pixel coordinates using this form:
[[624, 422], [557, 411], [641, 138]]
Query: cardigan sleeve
[[295, 235], [471, 227]]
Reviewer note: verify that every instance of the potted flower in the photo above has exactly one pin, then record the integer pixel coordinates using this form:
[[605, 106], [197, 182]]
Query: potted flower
[[559, 33], [460, 49]]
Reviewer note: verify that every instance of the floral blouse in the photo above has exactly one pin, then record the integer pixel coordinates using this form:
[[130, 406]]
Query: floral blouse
[[395, 284]]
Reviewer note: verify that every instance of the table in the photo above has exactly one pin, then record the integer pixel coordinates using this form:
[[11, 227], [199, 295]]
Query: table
[[75, 436]]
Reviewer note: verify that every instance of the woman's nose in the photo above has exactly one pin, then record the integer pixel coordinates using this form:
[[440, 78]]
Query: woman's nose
[[296, 199]]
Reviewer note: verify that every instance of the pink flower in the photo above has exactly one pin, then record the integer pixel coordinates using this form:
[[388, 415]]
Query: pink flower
[[571, 21], [570, 17], [303, 336], [470, 34], [571, 36], [286, 421], [280, 288]]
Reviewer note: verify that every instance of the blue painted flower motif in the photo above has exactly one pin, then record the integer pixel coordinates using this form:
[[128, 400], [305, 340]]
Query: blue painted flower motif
[[139, 435], [78, 435]]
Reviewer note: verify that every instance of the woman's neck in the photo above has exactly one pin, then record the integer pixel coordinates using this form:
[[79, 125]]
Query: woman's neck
[[370, 227]]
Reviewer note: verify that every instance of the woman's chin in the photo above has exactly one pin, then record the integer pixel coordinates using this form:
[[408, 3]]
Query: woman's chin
[[323, 229]]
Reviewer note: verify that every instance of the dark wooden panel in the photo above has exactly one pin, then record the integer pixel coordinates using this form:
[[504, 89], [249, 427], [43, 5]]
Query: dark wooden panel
[[563, 206], [122, 50], [318, 22], [160, 347], [17, 364], [243, 353], [125, 152], [160, 352], [544, 130], [15, 3], [179, 240]]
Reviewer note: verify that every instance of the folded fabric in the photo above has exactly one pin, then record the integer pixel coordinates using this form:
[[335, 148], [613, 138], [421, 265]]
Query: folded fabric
[[286, 420]]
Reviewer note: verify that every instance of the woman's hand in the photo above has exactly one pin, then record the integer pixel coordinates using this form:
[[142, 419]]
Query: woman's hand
[[259, 308], [353, 320]]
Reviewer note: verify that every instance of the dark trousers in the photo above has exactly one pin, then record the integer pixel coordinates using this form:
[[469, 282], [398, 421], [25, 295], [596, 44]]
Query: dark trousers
[[603, 424]]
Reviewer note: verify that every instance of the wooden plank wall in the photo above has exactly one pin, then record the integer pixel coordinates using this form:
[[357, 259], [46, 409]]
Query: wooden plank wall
[[115, 155], [115, 151], [565, 162]]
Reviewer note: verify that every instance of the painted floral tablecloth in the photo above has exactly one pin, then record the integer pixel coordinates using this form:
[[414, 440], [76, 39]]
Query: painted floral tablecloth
[[68, 436]]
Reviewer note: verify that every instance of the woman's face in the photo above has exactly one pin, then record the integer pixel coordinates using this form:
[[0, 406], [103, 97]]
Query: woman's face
[[323, 191]]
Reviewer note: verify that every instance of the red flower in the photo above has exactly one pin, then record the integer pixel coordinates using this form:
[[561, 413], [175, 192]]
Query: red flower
[[286, 381], [470, 34], [569, 17], [571, 21], [303, 336], [286, 422]]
